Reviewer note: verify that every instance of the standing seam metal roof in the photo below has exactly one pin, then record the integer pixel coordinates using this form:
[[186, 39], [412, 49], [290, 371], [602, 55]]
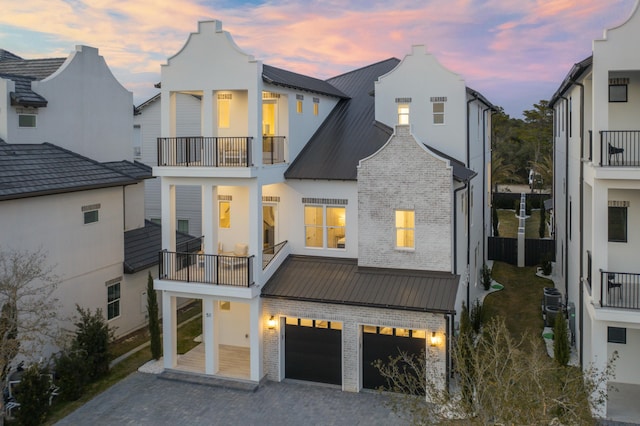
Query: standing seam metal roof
[[280, 77]]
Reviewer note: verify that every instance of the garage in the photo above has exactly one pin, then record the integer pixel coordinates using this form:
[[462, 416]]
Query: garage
[[382, 343], [313, 350]]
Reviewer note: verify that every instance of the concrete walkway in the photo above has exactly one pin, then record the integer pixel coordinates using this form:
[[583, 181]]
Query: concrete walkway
[[145, 399]]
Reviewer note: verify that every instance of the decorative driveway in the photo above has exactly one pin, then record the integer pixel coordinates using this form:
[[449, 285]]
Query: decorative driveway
[[145, 399]]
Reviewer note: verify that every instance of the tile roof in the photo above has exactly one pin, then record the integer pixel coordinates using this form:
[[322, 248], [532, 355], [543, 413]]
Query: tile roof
[[349, 133], [136, 169], [280, 77], [23, 95], [30, 170], [341, 281], [23, 72], [142, 245], [5, 54]]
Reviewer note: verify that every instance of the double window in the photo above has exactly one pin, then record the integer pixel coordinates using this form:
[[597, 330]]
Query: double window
[[113, 301], [325, 226], [405, 229]]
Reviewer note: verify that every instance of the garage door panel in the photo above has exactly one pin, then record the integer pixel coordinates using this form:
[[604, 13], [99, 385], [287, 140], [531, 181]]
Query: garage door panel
[[382, 346], [313, 354]]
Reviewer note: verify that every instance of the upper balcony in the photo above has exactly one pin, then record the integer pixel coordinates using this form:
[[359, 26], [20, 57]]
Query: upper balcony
[[200, 151], [620, 290], [618, 148]]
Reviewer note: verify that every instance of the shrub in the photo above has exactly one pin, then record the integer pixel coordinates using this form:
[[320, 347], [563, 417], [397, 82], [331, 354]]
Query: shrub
[[543, 220], [496, 222], [92, 338], [154, 322], [486, 277], [561, 349], [71, 374], [546, 264], [33, 394], [476, 316]]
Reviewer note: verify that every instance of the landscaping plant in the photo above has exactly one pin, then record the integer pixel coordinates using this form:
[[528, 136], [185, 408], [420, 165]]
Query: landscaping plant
[[92, 337], [543, 219], [33, 393], [561, 348], [154, 322], [486, 277]]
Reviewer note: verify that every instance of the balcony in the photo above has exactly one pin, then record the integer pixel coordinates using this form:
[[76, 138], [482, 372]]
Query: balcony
[[273, 149], [200, 151], [200, 268], [619, 290], [619, 148]]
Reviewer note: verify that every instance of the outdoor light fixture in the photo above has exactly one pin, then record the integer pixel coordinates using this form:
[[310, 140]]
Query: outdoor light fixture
[[434, 339], [271, 322]]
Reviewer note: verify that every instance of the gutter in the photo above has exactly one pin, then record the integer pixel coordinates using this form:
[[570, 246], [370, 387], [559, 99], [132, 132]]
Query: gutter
[[581, 288], [468, 165]]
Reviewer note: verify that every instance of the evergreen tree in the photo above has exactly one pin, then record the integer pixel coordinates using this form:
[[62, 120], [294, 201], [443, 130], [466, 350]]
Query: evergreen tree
[[33, 394], [543, 219], [154, 322], [496, 222], [561, 349], [92, 339]]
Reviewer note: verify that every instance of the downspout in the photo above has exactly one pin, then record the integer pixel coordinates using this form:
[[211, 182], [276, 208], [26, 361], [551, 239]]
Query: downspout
[[455, 229], [484, 182], [566, 201], [447, 346], [468, 164], [581, 288]]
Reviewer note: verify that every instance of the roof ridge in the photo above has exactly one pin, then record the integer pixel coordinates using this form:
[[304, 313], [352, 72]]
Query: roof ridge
[[363, 68]]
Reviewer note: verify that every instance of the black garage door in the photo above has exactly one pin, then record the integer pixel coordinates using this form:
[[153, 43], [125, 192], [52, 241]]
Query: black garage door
[[313, 351], [382, 343]]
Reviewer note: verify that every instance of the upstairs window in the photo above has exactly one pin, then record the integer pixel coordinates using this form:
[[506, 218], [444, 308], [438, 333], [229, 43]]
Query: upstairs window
[[90, 213], [316, 106], [113, 301], [183, 225], [224, 110], [405, 229], [617, 222], [438, 112], [26, 120], [618, 89], [225, 214], [299, 99], [325, 224]]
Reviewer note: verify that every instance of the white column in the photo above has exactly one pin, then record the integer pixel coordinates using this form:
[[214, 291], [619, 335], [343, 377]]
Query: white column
[[255, 228], [600, 213], [168, 114], [169, 330], [210, 344], [168, 206], [210, 218], [207, 119], [255, 338]]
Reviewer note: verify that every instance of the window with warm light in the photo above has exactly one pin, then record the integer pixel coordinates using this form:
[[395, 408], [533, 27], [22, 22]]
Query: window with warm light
[[335, 227], [316, 109], [268, 118], [438, 113], [313, 226], [224, 113], [325, 224], [403, 114], [405, 229], [225, 214]]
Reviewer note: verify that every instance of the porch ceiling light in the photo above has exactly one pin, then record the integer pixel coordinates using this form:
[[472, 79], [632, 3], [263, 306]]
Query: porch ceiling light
[[271, 322]]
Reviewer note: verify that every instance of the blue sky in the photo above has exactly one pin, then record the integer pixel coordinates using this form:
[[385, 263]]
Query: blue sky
[[515, 52]]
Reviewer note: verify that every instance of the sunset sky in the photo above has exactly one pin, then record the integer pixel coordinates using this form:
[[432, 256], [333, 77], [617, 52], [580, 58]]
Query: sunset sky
[[515, 52]]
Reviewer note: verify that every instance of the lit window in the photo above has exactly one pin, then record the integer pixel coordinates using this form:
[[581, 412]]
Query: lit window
[[26, 120], [318, 230], [618, 224], [224, 108], [225, 214], [335, 227], [90, 216], [313, 225], [183, 225], [438, 113], [405, 228], [403, 114], [113, 301], [299, 106], [316, 109], [269, 118]]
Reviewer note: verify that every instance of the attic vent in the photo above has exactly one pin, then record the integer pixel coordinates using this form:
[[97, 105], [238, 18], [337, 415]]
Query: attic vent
[[270, 95], [270, 199], [619, 80], [225, 197], [438, 99], [613, 203], [299, 97], [225, 96], [403, 100], [335, 201], [90, 207]]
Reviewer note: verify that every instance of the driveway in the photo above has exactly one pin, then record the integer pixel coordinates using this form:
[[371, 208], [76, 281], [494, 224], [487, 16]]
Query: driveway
[[145, 399]]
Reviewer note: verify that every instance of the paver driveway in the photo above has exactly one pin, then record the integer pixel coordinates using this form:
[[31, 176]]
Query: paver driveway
[[144, 399]]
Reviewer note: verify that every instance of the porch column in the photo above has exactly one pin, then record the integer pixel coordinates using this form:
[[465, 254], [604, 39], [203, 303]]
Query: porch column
[[599, 358], [255, 339], [168, 211], [600, 232], [210, 218], [206, 112], [210, 344], [255, 229], [168, 114], [169, 329]]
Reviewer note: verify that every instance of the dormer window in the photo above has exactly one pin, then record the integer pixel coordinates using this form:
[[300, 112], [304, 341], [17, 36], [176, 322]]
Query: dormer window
[[403, 114]]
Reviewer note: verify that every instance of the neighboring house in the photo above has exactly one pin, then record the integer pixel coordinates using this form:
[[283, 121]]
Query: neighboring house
[[597, 198], [78, 196], [341, 219]]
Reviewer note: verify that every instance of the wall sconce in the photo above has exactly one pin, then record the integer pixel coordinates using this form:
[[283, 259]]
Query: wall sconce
[[271, 323], [435, 339]]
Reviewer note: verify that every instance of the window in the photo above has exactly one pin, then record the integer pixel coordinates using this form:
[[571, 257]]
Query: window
[[224, 113], [438, 112], [403, 114], [26, 120], [269, 118], [90, 216], [316, 232], [113, 301], [183, 225], [618, 224], [225, 214], [617, 335], [299, 99], [617, 93], [405, 228], [315, 109]]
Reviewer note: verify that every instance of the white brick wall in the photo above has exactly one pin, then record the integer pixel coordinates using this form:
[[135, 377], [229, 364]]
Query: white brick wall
[[403, 175], [352, 318]]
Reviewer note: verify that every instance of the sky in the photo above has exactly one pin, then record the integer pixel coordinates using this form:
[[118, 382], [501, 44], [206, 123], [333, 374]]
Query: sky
[[515, 52]]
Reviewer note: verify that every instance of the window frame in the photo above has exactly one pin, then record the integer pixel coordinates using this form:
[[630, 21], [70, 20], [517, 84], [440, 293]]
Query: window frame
[[617, 335], [398, 229], [87, 218], [438, 113], [625, 225], [23, 115], [182, 221], [404, 114], [325, 228], [220, 217], [115, 301], [613, 97]]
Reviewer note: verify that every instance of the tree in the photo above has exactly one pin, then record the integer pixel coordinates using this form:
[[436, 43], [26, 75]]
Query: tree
[[543, 220], [28, 309], [33, 393], [92, 339], [561, 348], [154, 322], [510, 381]]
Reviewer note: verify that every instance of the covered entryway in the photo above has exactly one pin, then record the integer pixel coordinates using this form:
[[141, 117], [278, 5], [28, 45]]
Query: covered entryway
[[313, 350], [382, 343]]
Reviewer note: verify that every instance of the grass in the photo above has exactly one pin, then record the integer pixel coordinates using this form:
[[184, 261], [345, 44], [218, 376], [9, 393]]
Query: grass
[[508, 226], [186, 334]]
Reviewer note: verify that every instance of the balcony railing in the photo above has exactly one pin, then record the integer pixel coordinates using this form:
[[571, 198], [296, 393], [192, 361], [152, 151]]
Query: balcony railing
[[270, 252], [620, 148], [619, 290], [206, 268], [273, 149], [200, 151]]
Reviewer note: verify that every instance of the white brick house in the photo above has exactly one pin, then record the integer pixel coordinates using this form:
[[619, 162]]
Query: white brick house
[[338, 216]]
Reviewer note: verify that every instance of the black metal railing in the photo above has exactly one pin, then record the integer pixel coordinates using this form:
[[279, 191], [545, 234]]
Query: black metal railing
[[619, 290], [200, 151], [206, 268], [620, 148], [273, 149], [268, 253], [590, 145]]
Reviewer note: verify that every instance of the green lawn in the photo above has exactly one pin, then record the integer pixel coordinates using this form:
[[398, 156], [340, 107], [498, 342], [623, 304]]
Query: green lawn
[[508, 224]]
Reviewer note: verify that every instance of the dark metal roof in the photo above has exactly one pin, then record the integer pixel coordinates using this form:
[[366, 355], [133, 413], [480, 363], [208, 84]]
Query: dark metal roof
[[341, 281], [136, 169], [36, 68], [349, 133], [574, 73], [481, 98], [280, 77], [6, 55], [460, 171], [23, 95], [142, 245], [33, 170]]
